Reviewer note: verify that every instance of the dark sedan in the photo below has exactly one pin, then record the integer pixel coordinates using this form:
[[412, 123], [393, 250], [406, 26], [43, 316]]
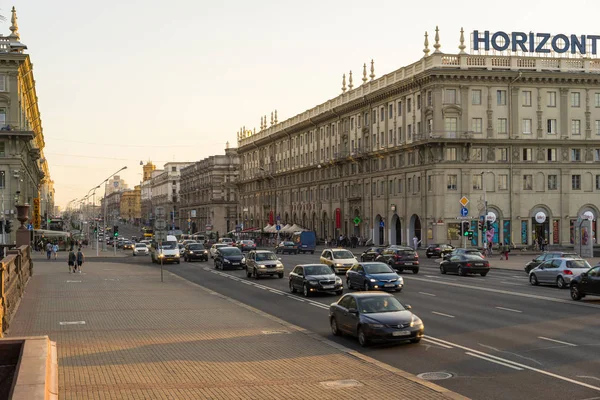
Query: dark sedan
[[374, 317], [464, 252], [465, 264], [550, 255], [314, 278], [286, 247], [371, 254], [438, 250], [373, 275], [246, 245], [587, 283], [400, 258], [195, 251], [230, 257]]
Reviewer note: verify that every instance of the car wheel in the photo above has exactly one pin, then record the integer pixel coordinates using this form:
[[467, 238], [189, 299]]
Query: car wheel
[[362, 338], [178, 261], [461, 272], [305, 291], [366, 287], [533, 280], [216, 267], [442, 270], [254, 274], [415, 340], [416, 271], [280, 275], [292, 288], [312, 252], [575, 293], [560, 282], [428, 255], [334, 327], [483, 273]]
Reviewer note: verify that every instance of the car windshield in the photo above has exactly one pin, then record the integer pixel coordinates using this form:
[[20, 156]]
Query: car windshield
[[379, 304], [265, 256], [317, 270], [247, 242], [472, 257], [230, 251], [342, 254], [140, 245], [379, 268], [196, 246], [288, 243], [169, 245], [405, 252], [578, 264]]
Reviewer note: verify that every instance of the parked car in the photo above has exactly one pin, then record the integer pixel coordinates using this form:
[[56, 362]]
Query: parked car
[[339, 260], [548, 256], [371, 253], [314, 278], [306, 241], [373, 275], [586, 283], [263, 263], [229, 257], [400, 258], [215, 247], [464, 264], [461, 252], [140, 248], [246, 245], [438, 250], [195, 251], [559, 271], [286, 247], [374, 317]]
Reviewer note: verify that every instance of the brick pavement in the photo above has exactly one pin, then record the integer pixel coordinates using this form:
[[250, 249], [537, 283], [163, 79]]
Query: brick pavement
[[143, 339]]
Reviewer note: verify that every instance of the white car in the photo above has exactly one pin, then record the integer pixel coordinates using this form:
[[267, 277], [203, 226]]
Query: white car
[[214, 247], [140, 248]]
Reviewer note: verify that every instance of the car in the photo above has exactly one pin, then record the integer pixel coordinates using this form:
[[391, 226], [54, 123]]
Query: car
[[286, 247], [339, 260], [166, 252], [195, 251], [215, 247], [559, 271], [548, 256], [371, 253], [263, 263], [314, 278], [464, 264], [373, 275], [586, 283], [229, 257], [374, 317], [460, 252], [140, 248], [225, 240], [188, 241], [246, 245], [127, 245], [438, 250], [306, 241], [180, 246], [400, 258]]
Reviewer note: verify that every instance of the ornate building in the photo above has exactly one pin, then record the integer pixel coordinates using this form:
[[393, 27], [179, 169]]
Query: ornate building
[[165, 187], [131, 205]]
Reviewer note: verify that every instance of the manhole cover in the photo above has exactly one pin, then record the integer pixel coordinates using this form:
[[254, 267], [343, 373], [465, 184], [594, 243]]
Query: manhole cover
[[274, 332], [342, 384], [434, 376]]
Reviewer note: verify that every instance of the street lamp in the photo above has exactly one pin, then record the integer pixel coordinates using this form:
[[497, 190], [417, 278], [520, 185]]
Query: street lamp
[[104, 201], [485, 207]]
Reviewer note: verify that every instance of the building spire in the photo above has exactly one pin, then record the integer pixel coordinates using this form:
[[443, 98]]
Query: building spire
[[364, 78], [271, 118], [426, 48], [437, 45], [261, 123], [344, 83], [350, 84], [462, 46], [275, 117], [14, 27], [372, 76]]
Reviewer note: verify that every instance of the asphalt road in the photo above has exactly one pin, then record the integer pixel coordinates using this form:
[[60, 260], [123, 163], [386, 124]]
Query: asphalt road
[[497, 337]]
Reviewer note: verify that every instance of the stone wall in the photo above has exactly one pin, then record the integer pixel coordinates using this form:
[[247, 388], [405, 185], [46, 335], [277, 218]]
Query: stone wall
[[15, 270]]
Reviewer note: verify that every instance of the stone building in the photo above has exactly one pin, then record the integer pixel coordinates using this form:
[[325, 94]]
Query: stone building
[[131, 205], [165, 186]]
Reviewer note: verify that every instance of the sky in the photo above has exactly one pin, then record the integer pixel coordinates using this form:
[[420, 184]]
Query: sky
[[119, 82]]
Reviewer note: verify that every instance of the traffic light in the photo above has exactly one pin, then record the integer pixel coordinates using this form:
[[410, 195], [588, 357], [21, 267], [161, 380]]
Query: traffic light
[[470, 235], [480, 224], [116, 230], [7, 226], [464, 228]]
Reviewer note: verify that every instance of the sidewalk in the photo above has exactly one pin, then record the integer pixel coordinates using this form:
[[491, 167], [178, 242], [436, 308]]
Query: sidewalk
[[122, 334]]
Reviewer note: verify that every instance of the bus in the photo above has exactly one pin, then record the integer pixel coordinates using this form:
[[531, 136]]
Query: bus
[[56, 224], [148, 233]]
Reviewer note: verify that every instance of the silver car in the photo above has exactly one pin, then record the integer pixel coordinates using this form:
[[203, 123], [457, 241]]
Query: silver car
[[263, 263], [558, 271]]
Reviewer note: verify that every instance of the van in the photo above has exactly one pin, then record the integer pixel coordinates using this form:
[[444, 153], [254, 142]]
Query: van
[[305, 241], [168, 249]]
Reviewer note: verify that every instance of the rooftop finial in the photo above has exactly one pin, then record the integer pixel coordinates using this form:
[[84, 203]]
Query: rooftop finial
[[266, 122], [437, 45], [426, 49], [364, 78], [462, 46], [271, 118], [275, 117], [227, 145], [372, 76], [344, 83], [350, 84], [14, 27]]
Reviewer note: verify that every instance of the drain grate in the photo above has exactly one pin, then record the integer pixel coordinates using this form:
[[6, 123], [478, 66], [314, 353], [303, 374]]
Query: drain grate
[[274, 332], [341, 384], [435, 376]]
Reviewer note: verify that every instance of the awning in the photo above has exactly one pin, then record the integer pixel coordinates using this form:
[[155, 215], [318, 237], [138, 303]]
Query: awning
[[249, 230]]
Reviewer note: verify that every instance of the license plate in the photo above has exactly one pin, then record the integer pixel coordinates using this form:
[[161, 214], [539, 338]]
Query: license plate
[[401, 333], [235, 263], [389, 285], [479, 265], [328, 287], [408, 263]]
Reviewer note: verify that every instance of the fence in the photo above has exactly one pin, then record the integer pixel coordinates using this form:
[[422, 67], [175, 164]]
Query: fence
[[15, 270]]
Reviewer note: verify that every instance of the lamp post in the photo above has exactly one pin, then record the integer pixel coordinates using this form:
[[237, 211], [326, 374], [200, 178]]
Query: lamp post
[[104, 201], [485, 208]]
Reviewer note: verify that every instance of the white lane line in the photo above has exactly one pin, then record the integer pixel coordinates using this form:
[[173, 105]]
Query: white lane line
[[494, 361], [295, 298], [557, 341], [277, 292], [247, 283], [512, 283], [438, 344], [519, 276], [589, 377], [428, 294], [316, 304], [442, 314], [80, 281], [72, 323], [509, 309]]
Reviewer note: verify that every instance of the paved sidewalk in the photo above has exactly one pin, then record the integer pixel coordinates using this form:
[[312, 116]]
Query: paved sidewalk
[[122, 334]]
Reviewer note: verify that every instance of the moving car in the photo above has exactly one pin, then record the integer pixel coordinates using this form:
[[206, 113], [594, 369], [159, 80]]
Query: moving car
[[263, 263], [339, 260], [373, 275], [400, 258], [166, 252], [127, 245], [461, 252], [229, 241], [229, 257], [246, 245], [550, 255], [374, 317], [195, 251], [140, 248], [215, 247], [371, 253], [559, 271], [438, 250], [185, 242], [587, 283], [464, 264], [314, 278], [306, 241], [286, 247]]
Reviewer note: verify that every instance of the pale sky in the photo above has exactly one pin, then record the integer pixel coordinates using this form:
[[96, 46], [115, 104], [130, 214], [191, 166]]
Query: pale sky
[[124, 81]]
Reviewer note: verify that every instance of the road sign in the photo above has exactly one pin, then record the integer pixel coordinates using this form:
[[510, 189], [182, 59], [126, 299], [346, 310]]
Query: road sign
[[160, 212], [464, 212], [464, 201], [278, 218], [278, 227], [160, 224], [29, 227], [160, 235], [208, 228], [357, 220], [381, 224]]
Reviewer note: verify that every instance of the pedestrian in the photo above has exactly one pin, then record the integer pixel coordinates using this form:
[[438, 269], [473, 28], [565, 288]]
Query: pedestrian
[[416, 242], [54, 251], [71, 259], [49, 250], [80, 259], [505, 250]]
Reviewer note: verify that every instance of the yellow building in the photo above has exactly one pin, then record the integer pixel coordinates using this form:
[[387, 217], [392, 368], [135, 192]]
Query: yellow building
[[131, 209]]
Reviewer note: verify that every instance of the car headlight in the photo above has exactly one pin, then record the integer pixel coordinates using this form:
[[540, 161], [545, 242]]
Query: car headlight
[[400, 280], [226, 260], [314, 283], [280, 265], [338, 279], [373, 280], [339, 265], [243, 260], [415, 321], [261, 266], [205, 251]]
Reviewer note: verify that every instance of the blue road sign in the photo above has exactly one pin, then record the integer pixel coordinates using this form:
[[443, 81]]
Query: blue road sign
[[464, 211], [278, 218], [381, 224], [30, 227], [278, 227]]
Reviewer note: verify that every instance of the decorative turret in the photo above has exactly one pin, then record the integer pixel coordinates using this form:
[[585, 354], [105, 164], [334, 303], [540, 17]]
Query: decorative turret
[[14, 38], [437, 45], [344, 83], [372, 76], [364, 78], [275, 117], [350, 84], [426, 48], [462, 46]]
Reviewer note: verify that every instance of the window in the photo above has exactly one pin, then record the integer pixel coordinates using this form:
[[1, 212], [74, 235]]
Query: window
[[451, 154], [418, 102], [596, 154], [552, 127], [374, 116], [391, 187], [400, 138], [400, 185], [429, 99], [552, 182], [3, 179], [418, 183], [597, 182], [527, 182], [476, 154], [399, 108], [476, 97], [409, 131], [477, 125], [502, 125], [501, 97], [575, 99], [452, 182], [526, 98], [430, 183], [575, 154], [450, 125], [173, 169], [502, 182], [374, 189], [527, 154], [409, 188], [552, 155], [390, 111], [502, 154], [477, 182], [597, 126], [597, 99], [429, 126], [576, 182], [352, 123], [551, 99], [382, 114], [366, 119], [526, 126], [450, 96], [2, 117], [408, 105], [575, 127]]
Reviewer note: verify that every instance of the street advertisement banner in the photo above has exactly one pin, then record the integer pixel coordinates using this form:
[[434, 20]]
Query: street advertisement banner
[[37, 216]]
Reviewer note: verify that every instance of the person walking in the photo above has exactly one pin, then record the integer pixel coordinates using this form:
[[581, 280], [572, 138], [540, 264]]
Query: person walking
[[505, 250], [54, 251], [71, 260], [416, 242], [80, 259], [49, 250]]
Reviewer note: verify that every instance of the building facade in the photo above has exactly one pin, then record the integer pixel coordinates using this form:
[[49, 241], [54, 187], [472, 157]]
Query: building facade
[[391, 158], [165, 191], [209, 194], [131, 205], [116, 184]]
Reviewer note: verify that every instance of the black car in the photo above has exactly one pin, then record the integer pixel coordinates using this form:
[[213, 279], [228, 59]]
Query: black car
[[286, 247], [587, 283], [314, 278], [400, 258], [373, 275], [465, 264], [195, 251], [438, 250], [371, 254], [550, 255], [374, 317], [230, 257], [463, 252]]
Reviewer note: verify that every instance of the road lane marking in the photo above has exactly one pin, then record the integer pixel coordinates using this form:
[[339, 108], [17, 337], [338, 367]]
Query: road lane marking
[[557, 341], [276, 292], [78, 281], [428, 294], [442, 314], [509, 309], [72, 323], [512, 283], [437, 344], [494, 361], [295, 298]]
